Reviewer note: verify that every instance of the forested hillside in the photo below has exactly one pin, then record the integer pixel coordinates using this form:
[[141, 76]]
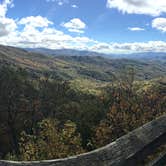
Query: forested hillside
[[53, 107], [89, 67]]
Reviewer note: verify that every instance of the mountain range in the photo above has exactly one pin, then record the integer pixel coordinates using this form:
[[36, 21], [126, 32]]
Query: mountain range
[[71, 52], [73, 64]]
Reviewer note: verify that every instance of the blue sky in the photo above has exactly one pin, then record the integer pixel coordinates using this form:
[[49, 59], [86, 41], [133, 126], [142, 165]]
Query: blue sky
[[110, 26]]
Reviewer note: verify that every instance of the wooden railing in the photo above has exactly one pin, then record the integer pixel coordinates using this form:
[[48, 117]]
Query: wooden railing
[[131, 149]]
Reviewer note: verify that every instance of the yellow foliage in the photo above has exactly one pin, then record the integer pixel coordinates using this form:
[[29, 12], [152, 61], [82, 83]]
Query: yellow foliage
[[50, 142]]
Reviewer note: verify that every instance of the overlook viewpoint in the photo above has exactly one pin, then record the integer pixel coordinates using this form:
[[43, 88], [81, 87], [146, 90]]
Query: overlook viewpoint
[[82, 82], [131, 149]]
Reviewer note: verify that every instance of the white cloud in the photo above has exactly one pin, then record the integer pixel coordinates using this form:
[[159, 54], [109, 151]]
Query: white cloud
[[159, 24], [75, 25], [74, 6], [3, 30], [76, 30], [7, 25], [59, 2], [40, 32], [135, 29], [147, 7], [30, 35], [37, 21], [151, 46], [4, 7], [52, 38]]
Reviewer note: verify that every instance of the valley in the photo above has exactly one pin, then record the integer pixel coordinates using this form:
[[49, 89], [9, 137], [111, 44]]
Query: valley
[[78, 103]]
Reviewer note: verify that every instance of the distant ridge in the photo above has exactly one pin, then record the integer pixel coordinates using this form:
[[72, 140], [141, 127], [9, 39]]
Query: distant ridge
[[72, 52], [85, 65], [65, 52]]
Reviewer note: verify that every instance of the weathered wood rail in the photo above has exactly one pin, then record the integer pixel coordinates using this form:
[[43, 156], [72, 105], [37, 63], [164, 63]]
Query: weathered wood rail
[[130, 149]]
